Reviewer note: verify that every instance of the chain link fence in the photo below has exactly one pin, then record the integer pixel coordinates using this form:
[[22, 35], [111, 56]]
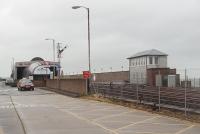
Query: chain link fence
[[192, 76], [184, 96]]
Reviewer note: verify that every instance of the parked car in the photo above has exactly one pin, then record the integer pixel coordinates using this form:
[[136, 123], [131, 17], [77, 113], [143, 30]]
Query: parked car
[[25, 84], [10, 82]]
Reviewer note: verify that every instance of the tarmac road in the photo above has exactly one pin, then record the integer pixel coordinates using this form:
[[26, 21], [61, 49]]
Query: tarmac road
[[45, 112]]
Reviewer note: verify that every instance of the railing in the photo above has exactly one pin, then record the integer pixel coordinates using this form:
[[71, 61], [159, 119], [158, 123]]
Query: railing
[[168, 97]]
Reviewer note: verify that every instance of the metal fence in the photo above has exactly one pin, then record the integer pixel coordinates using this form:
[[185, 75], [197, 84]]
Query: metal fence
[[192, 75], [176, 98]]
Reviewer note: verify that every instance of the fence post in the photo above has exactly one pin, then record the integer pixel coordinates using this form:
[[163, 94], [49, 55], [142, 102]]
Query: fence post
[[185, 92], [199, 82], [159, 93], [137, 87], [101, 70], [121, 92]]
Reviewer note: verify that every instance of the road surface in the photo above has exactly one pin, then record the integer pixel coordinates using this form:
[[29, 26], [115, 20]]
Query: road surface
[[45, 112]]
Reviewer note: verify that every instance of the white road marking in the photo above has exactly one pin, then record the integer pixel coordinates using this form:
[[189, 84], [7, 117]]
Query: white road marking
[[135, 123], [23, 106], [95, 110], [185, 129], [145, 132], [6, 90], [92, 122], [168, 124], [109, 116], [6, 107]]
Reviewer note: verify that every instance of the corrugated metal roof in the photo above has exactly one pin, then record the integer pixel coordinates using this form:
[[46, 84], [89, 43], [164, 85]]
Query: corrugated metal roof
[[152, 52]]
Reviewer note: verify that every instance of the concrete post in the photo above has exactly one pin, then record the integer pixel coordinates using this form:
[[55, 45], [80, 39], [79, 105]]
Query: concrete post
[[185, 92], [159, 94], [137, 86]]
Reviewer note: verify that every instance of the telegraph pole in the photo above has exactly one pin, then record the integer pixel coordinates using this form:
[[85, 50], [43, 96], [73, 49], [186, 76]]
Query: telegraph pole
[[59, 52]]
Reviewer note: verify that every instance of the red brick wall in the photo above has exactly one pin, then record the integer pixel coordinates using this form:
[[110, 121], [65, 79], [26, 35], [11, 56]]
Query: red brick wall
[[112, 76], [152, 72], [106, 76], [39, 83]]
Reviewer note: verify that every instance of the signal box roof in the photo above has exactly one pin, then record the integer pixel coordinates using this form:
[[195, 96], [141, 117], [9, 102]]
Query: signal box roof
[[152, 52]]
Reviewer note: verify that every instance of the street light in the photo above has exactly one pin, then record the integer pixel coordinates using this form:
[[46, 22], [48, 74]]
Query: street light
[[76, 7], [53, 40], [88, 12]]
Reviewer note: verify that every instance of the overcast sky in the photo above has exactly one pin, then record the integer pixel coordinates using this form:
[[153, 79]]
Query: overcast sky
[[119, 29]]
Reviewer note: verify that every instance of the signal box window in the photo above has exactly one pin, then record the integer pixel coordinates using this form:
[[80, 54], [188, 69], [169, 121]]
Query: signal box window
[[150, 60]]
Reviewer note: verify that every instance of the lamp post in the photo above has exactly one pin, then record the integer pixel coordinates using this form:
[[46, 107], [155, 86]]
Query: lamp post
[[88, 17], [53, 40], [13, 68]]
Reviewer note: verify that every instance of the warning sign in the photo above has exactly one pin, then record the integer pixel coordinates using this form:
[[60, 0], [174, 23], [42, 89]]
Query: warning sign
[[86, 74]]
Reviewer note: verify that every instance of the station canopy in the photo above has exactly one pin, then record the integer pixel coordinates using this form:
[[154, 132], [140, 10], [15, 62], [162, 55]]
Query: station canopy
[[39, 68]]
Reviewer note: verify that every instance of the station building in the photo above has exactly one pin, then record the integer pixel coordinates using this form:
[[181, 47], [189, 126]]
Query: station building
[[36, 69]]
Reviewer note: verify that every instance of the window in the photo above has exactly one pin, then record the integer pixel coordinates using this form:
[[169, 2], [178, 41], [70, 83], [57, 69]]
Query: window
[[132, 62], [138, 61], [150, 60], [156, 60]]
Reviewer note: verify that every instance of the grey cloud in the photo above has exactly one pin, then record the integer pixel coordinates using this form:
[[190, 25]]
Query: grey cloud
[[118, 29]]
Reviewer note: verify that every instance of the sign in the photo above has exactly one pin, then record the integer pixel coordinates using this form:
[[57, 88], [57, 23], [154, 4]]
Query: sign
[[94, 77], [22, 64], [171, 80], [158, 80], [86, 74]]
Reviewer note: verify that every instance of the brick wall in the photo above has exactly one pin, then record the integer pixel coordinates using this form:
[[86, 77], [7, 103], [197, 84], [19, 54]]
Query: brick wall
[[70, 86], [112, 76], [106, 76], [152, 72], [39, 83]]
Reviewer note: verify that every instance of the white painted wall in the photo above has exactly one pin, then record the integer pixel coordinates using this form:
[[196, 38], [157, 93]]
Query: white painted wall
[[138, 70], [162, 62], [138, 75]]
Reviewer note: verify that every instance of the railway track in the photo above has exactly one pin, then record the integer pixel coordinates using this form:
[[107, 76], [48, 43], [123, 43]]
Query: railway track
[[168, 96]]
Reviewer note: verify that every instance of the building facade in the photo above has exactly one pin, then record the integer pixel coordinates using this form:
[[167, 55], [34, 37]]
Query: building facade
[[140, 62], [37, 68]]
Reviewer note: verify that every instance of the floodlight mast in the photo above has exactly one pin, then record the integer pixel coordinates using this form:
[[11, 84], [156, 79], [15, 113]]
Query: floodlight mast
[[53, 40]]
